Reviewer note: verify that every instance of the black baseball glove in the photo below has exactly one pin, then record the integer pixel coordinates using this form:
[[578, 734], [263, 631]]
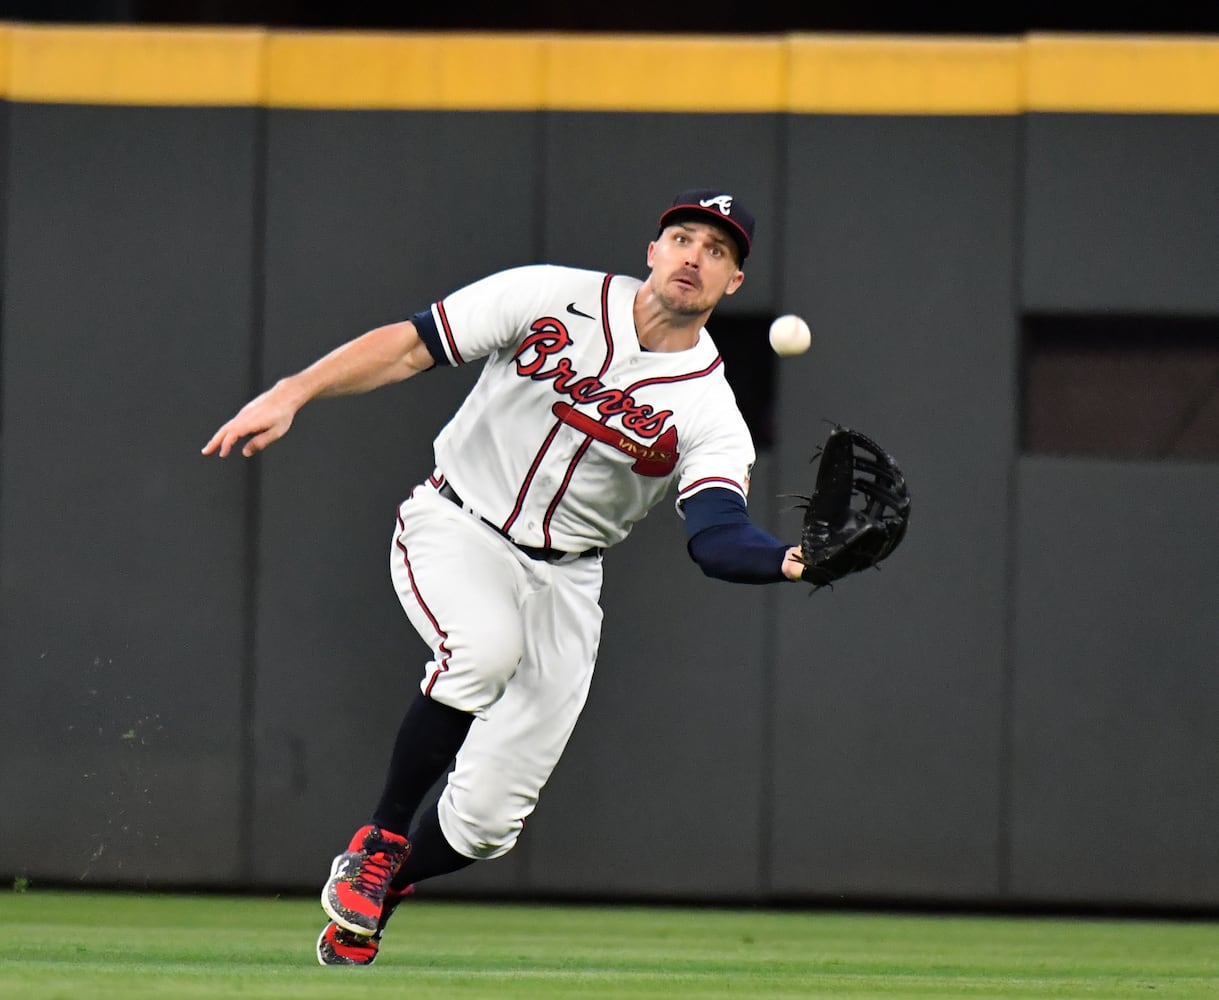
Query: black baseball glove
[[858, 512]]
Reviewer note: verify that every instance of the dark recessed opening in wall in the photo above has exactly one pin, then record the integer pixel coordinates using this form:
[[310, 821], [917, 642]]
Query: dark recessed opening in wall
[[750, 367], [1139, 387]]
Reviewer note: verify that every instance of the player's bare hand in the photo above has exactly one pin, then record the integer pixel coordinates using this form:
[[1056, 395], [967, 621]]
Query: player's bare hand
[[263, 420], [792, 566]]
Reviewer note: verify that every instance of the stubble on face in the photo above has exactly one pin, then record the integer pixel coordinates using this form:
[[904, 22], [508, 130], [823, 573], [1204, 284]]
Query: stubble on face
[[684, 294]]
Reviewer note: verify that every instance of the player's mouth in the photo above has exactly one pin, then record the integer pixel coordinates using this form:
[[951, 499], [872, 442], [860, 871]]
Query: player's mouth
[[688, 281]]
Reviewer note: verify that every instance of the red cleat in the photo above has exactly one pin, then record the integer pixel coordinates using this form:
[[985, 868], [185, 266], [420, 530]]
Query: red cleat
[[360, 879], [336, 946]]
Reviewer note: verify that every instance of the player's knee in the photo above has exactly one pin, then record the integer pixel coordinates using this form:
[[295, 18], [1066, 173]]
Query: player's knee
[[494, 664], [481, 825]]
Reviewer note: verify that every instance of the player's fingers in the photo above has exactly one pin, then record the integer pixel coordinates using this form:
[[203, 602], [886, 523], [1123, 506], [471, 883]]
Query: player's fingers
[[221, 442], [792, 567], [260, 441]]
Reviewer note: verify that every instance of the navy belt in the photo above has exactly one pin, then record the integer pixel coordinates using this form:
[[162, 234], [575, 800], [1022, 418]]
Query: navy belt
[[540, 553]]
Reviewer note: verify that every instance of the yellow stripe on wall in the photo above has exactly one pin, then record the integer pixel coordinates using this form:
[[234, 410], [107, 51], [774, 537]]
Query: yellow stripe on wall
[[404, 71], [1104, 73], [798, 73], [135, 66], [664, 73], [895, 76], [6, 50]]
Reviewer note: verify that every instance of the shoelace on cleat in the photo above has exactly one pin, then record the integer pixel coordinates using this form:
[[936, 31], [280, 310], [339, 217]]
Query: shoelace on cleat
[[374, 874]]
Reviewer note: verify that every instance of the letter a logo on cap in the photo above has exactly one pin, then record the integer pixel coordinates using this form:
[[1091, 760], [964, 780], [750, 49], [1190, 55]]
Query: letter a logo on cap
[[709, 205], [723, 202]]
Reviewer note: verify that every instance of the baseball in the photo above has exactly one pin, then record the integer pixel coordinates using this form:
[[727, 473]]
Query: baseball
[[790, 335]]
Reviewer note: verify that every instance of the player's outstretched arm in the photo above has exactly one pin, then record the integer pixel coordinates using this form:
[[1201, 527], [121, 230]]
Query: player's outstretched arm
[[727, 545], [381, 356]]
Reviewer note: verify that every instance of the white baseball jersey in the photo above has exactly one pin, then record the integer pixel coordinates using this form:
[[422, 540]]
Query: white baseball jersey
[[573, 431]]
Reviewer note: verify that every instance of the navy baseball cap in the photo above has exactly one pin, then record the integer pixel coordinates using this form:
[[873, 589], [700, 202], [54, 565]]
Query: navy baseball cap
[[714, 206]]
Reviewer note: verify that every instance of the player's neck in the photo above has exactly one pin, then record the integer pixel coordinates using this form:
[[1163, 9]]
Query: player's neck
[[662, 330]]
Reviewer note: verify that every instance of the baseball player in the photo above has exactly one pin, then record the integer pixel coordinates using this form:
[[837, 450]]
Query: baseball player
[[598, 394]]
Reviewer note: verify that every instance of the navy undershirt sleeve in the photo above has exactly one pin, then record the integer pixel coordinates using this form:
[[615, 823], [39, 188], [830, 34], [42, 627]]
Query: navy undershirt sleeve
[[430, 336], [726, 544]]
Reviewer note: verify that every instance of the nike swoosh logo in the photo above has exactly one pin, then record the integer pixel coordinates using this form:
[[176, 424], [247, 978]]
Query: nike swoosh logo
[[571, 308]]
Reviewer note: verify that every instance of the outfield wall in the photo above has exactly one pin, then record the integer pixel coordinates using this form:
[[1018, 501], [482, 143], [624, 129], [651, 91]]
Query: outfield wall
[[205, 663]]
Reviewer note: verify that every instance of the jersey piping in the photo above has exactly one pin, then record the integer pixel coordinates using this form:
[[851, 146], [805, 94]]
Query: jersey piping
[[698, 484], [571, 467], [448, 333], [442, 664]]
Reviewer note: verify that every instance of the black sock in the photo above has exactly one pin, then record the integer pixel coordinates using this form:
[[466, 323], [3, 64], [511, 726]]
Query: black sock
[[431, 854], [428, 740]]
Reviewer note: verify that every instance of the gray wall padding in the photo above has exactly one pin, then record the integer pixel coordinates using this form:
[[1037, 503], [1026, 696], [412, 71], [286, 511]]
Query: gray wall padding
[[1116, 696], [127, 336], [205, 664]]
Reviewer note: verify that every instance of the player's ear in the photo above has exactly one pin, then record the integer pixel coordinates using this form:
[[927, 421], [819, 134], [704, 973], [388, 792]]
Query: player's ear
[[651, 253], [735, 282]]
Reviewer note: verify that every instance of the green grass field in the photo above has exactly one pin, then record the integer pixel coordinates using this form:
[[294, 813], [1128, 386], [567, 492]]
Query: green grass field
[[81, 945]]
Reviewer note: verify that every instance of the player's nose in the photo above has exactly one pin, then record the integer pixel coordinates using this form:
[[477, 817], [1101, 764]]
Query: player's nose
[[699, 250]]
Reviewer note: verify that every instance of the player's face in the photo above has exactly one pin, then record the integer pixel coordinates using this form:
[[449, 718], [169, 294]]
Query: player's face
[[693, 267]]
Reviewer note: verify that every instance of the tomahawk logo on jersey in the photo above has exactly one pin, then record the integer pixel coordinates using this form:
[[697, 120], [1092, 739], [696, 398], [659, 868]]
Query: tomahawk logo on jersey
[[562, 354]]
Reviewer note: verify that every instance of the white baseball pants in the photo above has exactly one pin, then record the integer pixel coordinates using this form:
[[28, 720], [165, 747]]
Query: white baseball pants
[[514, 641]]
